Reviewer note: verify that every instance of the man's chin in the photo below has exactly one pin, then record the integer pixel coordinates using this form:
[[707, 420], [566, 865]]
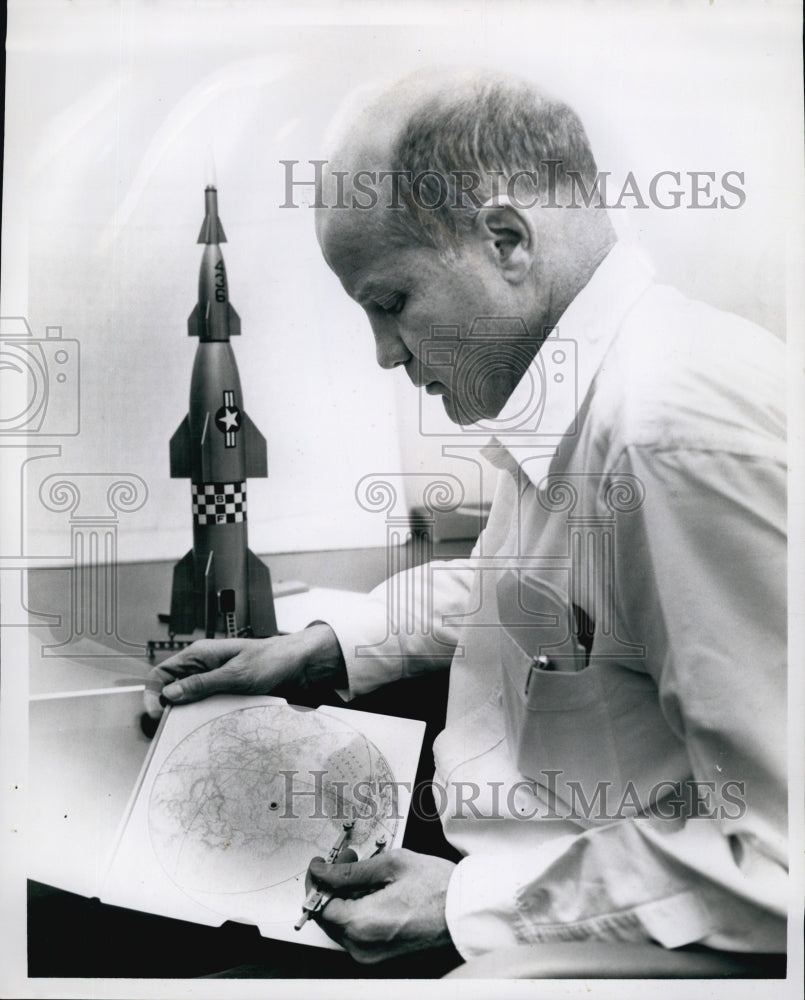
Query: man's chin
[[462, 412], [450, 410], [463, 415]]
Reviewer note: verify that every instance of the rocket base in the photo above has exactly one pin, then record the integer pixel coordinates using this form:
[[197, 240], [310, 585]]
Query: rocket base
[[262, 619], [196, 607]]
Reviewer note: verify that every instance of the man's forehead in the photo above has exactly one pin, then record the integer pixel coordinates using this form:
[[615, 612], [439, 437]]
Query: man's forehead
[[351, 236]]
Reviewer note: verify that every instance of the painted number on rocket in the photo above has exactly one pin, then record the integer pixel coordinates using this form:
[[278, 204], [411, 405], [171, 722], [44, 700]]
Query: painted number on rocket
[[220, 282]]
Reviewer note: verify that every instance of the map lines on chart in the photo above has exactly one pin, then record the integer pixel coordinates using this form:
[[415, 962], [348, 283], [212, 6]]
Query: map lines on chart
[[242, 803]]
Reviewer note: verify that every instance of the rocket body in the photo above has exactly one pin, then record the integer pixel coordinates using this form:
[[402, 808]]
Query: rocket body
[[220, 585]]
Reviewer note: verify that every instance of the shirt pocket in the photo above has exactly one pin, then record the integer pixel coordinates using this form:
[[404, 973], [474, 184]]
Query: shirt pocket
[[585, 730]]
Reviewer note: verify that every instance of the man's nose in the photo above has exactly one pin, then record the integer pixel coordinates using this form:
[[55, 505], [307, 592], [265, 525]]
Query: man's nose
[[389, 347]]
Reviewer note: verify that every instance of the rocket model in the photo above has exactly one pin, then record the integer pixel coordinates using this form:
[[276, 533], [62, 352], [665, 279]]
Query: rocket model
[[219, 586]]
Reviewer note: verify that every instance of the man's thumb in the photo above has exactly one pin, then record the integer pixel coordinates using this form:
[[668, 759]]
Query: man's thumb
[[198, 686], [370, 873]]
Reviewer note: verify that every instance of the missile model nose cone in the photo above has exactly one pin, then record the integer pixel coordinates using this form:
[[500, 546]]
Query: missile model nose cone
[[211, 229]]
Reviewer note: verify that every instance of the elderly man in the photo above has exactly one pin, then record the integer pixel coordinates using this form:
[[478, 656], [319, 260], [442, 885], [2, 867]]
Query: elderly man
[[613, 763]]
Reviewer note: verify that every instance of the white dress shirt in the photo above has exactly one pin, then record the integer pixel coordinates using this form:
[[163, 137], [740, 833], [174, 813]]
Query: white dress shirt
[[645, 494]]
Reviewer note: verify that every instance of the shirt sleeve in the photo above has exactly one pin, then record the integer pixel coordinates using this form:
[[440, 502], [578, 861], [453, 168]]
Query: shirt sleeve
[[703, 565], [400, 630], [406, 626]]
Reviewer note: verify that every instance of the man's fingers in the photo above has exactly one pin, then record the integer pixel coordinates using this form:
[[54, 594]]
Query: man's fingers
[[336, 915], [170, 677], [368, 874], [194, 687], [346, 854], [206, 654], [400, 904], [151, 699], [309, 877]]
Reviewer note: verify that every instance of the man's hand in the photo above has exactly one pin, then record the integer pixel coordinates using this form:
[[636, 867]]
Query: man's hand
[[400, 906], [245, 666]]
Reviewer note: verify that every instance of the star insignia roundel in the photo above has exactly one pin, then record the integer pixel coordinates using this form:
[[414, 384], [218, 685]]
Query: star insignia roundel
[[228, 419]]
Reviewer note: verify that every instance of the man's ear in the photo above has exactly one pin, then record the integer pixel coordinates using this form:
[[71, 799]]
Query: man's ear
[[509, 237]]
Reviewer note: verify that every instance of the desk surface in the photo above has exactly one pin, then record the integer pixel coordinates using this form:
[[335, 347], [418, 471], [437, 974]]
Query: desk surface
[[90, 630], [86, 743], [141, 591]]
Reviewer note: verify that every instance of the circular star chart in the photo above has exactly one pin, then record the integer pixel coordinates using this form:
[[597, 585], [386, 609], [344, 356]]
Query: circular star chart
[[247, 799]]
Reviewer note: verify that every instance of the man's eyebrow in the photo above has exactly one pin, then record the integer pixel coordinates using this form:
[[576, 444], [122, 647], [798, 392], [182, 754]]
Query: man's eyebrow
[[370, 290]]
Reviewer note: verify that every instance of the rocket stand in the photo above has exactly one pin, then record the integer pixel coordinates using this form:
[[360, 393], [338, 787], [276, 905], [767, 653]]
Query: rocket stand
[[172, 644]]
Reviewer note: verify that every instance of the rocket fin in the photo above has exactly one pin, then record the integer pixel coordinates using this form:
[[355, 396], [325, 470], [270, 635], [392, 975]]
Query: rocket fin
[[181, 451], [193, 324], [211, 230], [262, 619], [234, 320], [183, 597], [198, 321], [255, 449]]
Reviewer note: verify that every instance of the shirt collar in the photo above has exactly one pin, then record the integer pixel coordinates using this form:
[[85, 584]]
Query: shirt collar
[[543, 408]]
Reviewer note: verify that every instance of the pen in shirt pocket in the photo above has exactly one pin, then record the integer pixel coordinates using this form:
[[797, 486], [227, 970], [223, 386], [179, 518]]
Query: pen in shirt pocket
[[545, 665]]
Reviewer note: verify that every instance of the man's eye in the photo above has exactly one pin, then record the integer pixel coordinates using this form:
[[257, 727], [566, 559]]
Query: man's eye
[[394, 304]]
